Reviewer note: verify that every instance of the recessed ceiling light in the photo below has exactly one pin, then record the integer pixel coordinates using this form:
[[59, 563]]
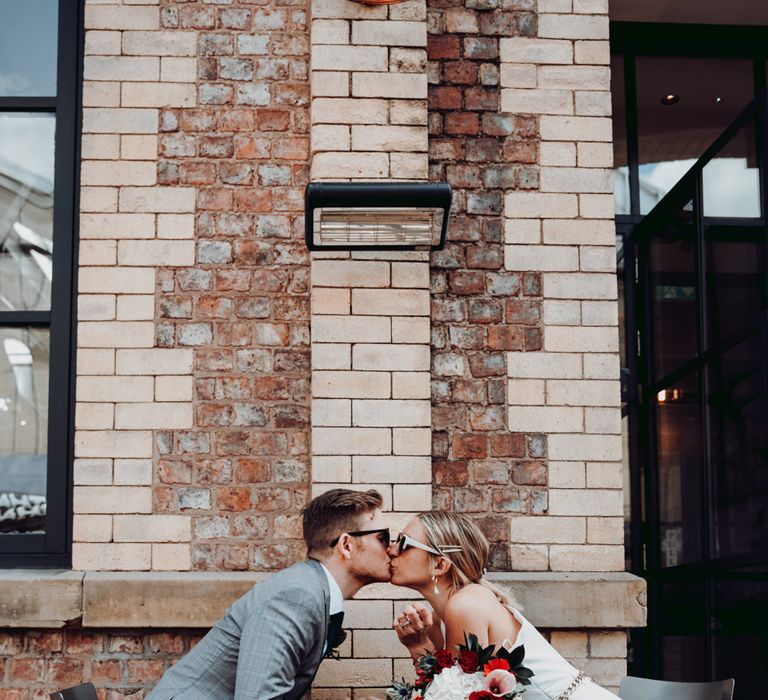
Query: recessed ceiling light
[[670, 99], [717, 100]]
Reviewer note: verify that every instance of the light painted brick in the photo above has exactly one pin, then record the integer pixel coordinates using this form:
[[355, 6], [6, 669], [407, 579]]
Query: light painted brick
[[156, 253], [162, 94], [121, 68], [96, 362], [595, 155], [120, 121], [538, 101], [603, 502], [571, 644], [537, 51], [155, 361], [410, 275], [351, 441], [383, 357], [567, 475], [529, 557], [404, 470], [408, 166], [560, 153], [350, 329], [389, 33], [412, 497], [330, 301], [334, 469], [343, 384], [340, 57], [157, 199], [174, 388], [590, 7], [593, 52], [579, 232], [112, 499], [403, 302], [514, 75], [92, 472], [596, 206], [597, 259], [579, 285], [601, 366], [355, 673], [538, 529], [160, 43], [525, 392], [543, 365], [404, 86], [553, 128], [585, 557], [563, 6], [115, 334], [389, 138], [331, 137], [152, 528], [116, 17], [574, 78], [587, 392], [378, 643], [94, 416], [96, 307], [133, 472], [541, 257], [98, 199], [608, 644], [103, 43], [350, 165], [412, 441], [606, 475], [561, 313], [413, 112], [178, 70], [331, 356], [548, 419], [176, 226], [171, 557], [97, 253], [99, 389], [584, 447], [111, 556], [101, 172], [330, 31], [605, 530], [100, 146], [599, 313], [92, 528], [100, 94], [395, 413], [340, 110], [349, 273], [117, 226], [332, 412], [586, 339], [410, 330], [540, 205], [576, 179], [135, 307], [573, 26], [330, 84], [594, 104], [522, 230], [332, 9], [602, 420], [411, 385]]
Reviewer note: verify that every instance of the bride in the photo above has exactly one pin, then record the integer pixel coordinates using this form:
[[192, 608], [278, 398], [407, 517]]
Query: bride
[[442, 555]]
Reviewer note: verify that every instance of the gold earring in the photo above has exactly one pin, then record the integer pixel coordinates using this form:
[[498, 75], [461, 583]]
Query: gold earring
[[434, 581]]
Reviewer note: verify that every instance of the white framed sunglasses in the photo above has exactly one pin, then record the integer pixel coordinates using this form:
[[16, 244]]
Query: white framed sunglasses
[[404, 542]]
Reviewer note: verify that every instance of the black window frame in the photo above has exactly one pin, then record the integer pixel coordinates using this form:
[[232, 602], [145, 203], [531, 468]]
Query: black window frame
[[53, 548]]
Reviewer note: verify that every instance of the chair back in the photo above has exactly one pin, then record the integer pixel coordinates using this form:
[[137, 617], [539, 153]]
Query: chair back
[[632, 688], [84, 691]]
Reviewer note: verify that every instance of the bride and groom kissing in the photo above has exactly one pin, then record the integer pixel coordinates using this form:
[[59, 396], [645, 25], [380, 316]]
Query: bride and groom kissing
[[271, 641]]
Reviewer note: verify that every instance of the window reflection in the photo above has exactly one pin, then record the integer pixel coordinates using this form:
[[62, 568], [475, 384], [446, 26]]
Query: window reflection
[[620, 154], [24, 360]]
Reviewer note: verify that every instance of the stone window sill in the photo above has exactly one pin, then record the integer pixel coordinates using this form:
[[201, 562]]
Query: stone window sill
[[35, 599]]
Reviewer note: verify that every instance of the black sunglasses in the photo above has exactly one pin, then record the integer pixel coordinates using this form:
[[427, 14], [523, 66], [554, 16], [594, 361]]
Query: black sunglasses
[[383, 534]]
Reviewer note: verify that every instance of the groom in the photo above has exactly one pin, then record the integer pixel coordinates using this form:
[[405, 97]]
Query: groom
[[271, 641]]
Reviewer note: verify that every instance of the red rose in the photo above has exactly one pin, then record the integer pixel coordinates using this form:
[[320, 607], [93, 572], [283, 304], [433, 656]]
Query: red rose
[[494, 664], [468, 660], [444, 658], [481, 695]]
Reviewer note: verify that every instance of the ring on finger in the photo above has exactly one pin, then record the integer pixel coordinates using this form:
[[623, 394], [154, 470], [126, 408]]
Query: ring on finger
[[405, 624]]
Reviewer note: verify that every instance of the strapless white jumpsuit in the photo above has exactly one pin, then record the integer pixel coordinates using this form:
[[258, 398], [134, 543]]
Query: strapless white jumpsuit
[[552, 673]]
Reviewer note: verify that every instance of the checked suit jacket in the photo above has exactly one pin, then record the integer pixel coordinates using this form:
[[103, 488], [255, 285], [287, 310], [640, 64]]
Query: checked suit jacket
[[269, 643]]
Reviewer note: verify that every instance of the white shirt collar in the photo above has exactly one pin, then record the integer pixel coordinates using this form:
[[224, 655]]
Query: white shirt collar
[[337, 598]]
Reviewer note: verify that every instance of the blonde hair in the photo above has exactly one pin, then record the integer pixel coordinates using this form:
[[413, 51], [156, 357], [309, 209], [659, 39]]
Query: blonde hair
[[445, 529]]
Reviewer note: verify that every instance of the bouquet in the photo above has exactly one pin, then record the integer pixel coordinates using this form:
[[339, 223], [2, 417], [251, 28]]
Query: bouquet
[[475, 673]]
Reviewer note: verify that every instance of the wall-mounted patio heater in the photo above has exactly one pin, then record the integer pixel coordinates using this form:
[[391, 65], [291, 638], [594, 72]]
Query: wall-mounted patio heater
[[376, 215]]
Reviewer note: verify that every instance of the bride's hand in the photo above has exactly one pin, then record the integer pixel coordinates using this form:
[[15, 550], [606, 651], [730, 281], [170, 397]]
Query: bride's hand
[[412, 626]]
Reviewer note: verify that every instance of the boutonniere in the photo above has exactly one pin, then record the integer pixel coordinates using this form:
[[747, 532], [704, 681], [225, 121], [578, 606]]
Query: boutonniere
[[333, 652]]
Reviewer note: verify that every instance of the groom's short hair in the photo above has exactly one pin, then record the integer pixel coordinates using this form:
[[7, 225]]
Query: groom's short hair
[[326, 516]]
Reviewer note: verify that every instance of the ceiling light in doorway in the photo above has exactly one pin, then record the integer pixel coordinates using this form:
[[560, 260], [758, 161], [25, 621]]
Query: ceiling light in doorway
[[670, 99], [717, 100]]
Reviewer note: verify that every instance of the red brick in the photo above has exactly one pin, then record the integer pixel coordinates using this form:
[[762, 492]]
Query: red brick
[[469, 446], [462, 123], [247, 199], [44, 643], [126, 644], [213, 414], [237, 334], [213, 307], [508, 445], [234, 498], [214, 199], [142, 671], [460, 72], [449, 473], [166, 643], [273, 119], [11, 643], [442, 46], [237, 120], [251, 147], [490, 472], [105, 670], [532, 473], [505, 338], [24, 669], [445, 98], [523, 311], [64, 671], [233, 280], [213, 471], [197, 173]]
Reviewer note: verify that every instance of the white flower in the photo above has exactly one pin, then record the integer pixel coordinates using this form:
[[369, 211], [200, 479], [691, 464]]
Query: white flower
[[453, 684]]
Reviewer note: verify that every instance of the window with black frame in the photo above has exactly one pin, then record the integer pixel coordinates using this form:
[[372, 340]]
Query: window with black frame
[[38, 119]]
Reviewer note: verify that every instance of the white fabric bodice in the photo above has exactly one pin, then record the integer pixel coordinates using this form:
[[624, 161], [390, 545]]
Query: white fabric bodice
[[552, 673]]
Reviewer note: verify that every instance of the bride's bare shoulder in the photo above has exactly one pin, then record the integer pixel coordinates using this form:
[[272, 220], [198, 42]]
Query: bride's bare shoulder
[[470, 598]]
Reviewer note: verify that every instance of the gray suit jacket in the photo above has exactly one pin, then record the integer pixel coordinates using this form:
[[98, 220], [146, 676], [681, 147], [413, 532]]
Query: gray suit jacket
[[268, 644]]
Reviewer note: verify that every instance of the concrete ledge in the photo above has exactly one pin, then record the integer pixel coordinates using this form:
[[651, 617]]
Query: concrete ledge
[[554, 600]]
